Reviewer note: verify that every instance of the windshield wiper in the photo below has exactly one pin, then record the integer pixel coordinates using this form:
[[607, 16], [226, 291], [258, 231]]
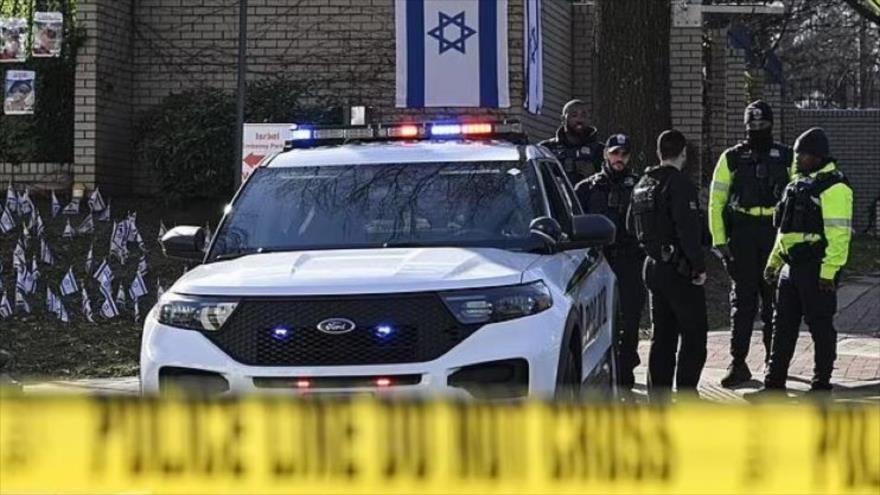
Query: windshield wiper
[[244, 252]]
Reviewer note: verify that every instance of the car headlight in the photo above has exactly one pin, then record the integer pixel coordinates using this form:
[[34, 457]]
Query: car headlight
[[499, 303], [195, 313]]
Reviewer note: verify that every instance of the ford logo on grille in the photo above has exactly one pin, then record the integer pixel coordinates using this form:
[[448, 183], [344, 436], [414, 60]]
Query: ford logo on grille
[[336, 326]]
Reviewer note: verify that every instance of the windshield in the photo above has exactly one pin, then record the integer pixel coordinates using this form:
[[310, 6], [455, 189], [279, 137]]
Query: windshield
[[367, 206]]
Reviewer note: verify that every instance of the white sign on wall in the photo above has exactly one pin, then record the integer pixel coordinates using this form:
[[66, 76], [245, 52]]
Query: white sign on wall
[[260, 142]]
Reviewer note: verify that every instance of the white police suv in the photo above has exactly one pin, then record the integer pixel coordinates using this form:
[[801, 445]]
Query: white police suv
[[449, 259]]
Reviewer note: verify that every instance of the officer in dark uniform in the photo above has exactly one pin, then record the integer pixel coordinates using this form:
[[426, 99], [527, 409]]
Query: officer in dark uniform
[[815, 228], [665, 218], [576, 145], [748, 182], [608, 193]]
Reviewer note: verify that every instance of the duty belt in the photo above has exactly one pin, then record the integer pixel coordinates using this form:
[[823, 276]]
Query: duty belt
[[756, 211]]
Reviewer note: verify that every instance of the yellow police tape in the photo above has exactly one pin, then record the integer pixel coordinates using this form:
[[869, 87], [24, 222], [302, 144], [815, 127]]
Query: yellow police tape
[[94, 445]]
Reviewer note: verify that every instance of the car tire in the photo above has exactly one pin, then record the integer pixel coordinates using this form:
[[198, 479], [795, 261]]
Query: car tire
[[568, 383]]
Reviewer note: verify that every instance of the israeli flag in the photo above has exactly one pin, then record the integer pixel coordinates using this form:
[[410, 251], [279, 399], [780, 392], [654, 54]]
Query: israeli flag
[[534, 57], [452, 53]]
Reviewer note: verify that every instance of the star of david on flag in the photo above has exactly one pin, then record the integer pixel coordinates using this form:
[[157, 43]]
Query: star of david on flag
[[455, 40], [452, 53]]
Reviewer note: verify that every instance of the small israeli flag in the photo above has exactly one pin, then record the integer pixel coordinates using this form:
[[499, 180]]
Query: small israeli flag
[[452, 53], [62, 313], [6, 221], [56, 205], [11, 199], [46, 253], [87, 306], [96, 201], [105, 213], [138, 287], [72, 208], [5, 307], [68, 231], [25, 205], [68, 283]]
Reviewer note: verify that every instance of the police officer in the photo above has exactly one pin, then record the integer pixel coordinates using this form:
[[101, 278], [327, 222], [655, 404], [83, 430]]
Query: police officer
[[748, 182], [665, 218], [576, 144], [608, 192], [814, 220]]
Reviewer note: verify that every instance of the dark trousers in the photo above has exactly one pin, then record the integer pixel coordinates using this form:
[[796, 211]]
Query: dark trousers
[[678, 311], [797, 297], [627, 265], [751, 240]]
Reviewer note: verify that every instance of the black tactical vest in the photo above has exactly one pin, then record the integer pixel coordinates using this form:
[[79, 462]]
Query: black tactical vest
[[758, 178], [612, 198], [801, 207], [651, 215]]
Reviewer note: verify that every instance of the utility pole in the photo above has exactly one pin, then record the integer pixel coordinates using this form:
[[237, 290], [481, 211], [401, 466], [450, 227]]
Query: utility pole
[[242, 88]]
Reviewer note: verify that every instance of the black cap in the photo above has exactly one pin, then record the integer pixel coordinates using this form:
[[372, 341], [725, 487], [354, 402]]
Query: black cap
[[758, 115], [618, 141], [813, 142]]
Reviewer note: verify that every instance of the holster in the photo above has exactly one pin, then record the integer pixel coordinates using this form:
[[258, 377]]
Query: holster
[[805, 253]]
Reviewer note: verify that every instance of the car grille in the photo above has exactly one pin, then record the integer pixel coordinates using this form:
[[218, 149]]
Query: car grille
[[425, 330]]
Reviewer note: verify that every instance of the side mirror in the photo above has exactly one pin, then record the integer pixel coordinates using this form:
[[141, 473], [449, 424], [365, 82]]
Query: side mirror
[[547, 230], [591, 231], [185, 243]]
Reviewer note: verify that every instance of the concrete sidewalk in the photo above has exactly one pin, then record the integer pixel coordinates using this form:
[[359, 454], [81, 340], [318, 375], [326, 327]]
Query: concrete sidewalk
[[856, 371]]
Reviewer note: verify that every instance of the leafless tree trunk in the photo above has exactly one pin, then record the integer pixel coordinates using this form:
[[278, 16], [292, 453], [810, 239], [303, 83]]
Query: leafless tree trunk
[[632, 71]]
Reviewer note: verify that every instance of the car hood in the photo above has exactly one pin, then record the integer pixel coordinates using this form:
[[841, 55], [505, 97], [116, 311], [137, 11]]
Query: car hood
[[363, 271]]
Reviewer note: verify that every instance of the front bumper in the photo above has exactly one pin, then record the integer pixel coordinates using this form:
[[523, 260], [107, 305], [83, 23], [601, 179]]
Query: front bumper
[[536, 339]]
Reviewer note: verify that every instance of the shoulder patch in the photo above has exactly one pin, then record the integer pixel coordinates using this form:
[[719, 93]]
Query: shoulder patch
[[774, 152]]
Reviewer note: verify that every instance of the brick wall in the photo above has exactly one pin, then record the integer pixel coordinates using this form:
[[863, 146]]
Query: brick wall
[[686, 88], [103, 122], [39, 176], [853, 136], [140, 52]]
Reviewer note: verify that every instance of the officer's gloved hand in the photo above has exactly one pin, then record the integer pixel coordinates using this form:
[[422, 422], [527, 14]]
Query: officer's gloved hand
[[699, 279], [723, 252], [826, 285], [770, 275], [726, 257]]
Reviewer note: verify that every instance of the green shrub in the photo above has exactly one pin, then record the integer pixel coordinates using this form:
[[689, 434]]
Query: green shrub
[[189, 138]]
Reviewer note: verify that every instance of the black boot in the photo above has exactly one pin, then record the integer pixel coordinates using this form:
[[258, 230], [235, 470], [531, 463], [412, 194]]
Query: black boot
[[820, 388], [737, 374]]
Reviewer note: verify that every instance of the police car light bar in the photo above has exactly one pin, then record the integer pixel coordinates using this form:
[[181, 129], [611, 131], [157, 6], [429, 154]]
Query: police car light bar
[[306, 137]]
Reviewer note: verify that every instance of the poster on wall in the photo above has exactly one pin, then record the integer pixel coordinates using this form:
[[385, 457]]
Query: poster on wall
[[259, 143], [19, 95], [48, 33], [13, 35]]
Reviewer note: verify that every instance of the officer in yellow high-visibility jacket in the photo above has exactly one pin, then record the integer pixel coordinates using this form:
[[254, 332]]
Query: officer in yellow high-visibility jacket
[[815, 227], [746, 186]]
